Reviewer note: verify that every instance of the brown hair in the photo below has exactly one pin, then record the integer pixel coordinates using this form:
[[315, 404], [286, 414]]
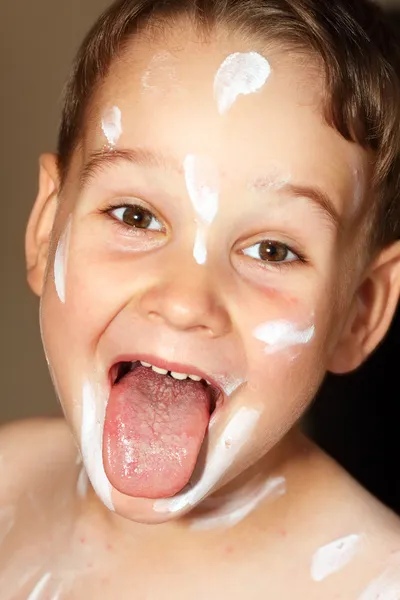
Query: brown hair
[[359, 52]]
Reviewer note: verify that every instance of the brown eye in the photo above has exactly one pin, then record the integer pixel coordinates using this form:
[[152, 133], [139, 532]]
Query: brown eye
[[273, 251], [136, 217]]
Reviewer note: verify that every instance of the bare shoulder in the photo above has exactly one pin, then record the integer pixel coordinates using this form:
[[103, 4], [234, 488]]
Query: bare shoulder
[[32, 451]]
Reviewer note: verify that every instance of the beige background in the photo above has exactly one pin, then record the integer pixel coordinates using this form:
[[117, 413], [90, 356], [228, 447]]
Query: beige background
[[37, 42]]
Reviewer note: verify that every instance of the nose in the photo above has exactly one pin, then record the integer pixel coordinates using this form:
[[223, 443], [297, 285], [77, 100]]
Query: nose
[[187, 301]]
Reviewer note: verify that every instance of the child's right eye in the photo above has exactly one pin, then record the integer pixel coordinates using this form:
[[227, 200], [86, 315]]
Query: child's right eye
[[135, 216]]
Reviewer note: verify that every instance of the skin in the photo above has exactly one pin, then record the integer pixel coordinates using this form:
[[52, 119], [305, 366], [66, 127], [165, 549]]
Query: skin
[[155, 299]]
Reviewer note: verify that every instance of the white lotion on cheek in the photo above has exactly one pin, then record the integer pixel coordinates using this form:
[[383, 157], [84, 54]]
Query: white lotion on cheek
[[202, 185], [92, 444], [7, 520], [82, 483], [111, 125], [239, 74], [236, 435], [279, 335], [39, 587], [61, 261], [334, 556], [385, 587], [236, 509]]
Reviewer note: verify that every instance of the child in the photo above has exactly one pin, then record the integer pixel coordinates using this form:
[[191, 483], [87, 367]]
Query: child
[[218, 231]]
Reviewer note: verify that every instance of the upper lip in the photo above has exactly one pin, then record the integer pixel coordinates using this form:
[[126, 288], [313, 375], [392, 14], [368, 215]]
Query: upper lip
[[166, 365]]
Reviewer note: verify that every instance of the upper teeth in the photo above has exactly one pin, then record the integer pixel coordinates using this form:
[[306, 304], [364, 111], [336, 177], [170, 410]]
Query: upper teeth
[[180, 376]]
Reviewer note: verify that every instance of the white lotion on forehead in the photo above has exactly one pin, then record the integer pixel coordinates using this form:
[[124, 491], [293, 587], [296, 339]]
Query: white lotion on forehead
[[239, 74], [236, 509], [39, 587], [279, 335], [161, 73], [61, 261], [202, 184], [236, 435], [111, 125], [274, 179], [334, 556], [93, 415]]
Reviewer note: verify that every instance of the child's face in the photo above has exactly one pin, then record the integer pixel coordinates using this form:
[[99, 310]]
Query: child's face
[[238, 190]]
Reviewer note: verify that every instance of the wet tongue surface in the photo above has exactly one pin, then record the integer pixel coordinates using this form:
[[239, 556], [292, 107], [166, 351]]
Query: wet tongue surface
[[153, 432]]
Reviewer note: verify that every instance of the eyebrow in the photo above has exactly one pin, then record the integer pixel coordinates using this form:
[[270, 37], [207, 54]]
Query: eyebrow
[[103, 159], [315, 195]]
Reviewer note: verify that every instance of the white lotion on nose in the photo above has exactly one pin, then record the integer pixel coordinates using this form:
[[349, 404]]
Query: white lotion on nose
[[236, 509], [334, 556], [92, 443], [236, 435], [385, 587], [39, 587], [202, 184], [240, 74], [61, 261], [279, 335], [111, 125]]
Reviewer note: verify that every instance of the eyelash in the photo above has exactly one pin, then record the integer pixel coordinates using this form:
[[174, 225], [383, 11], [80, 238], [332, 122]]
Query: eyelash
[[274, 265]]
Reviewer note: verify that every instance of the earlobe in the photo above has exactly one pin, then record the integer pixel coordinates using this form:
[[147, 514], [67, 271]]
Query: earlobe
[[40, 224], [371, 314]]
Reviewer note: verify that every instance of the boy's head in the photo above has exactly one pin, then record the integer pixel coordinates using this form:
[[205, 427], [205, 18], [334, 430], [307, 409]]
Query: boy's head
[[224, 204]]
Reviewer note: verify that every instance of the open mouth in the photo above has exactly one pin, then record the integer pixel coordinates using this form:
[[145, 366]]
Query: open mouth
[[156, 421]]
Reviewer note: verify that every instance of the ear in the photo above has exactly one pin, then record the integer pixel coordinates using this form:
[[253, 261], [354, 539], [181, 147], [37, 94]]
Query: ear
[[40, 224], [371, 313]]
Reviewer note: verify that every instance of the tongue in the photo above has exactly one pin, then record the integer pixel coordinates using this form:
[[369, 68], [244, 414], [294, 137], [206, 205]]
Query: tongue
[[154, 429]]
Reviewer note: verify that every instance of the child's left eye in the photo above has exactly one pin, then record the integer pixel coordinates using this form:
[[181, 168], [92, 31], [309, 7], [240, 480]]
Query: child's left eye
[[271, 251], [136, 216]]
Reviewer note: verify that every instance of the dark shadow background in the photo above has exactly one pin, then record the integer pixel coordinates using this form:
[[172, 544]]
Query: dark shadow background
[[356, 418]]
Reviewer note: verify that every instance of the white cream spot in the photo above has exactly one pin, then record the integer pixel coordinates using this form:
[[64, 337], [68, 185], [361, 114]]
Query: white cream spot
[[82, 483], [239, 74], [235, 509], [92, 443], [334, 556], [274, 179], [202, 183], [385, 587], [61, 261], [161, 73], [111, 125], [236, 435], [279, 335], [7, 521], [39, 587]]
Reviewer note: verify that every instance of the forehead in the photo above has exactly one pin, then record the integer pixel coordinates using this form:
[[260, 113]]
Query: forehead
[[165, 92]]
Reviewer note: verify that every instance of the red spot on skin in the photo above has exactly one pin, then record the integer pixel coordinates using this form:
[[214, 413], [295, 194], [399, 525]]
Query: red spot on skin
[[109, 547], [83, 540], [283, 532], [229, 550], [90, 565]]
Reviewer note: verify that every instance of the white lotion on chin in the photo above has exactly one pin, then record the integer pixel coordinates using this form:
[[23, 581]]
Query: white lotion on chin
[[236, 509], [39, 587], [239, 74], [92, 443], [334, 556], [385, 587], [111, 125], [279, 335], [236, 435], [202, 185], [61, 261]]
